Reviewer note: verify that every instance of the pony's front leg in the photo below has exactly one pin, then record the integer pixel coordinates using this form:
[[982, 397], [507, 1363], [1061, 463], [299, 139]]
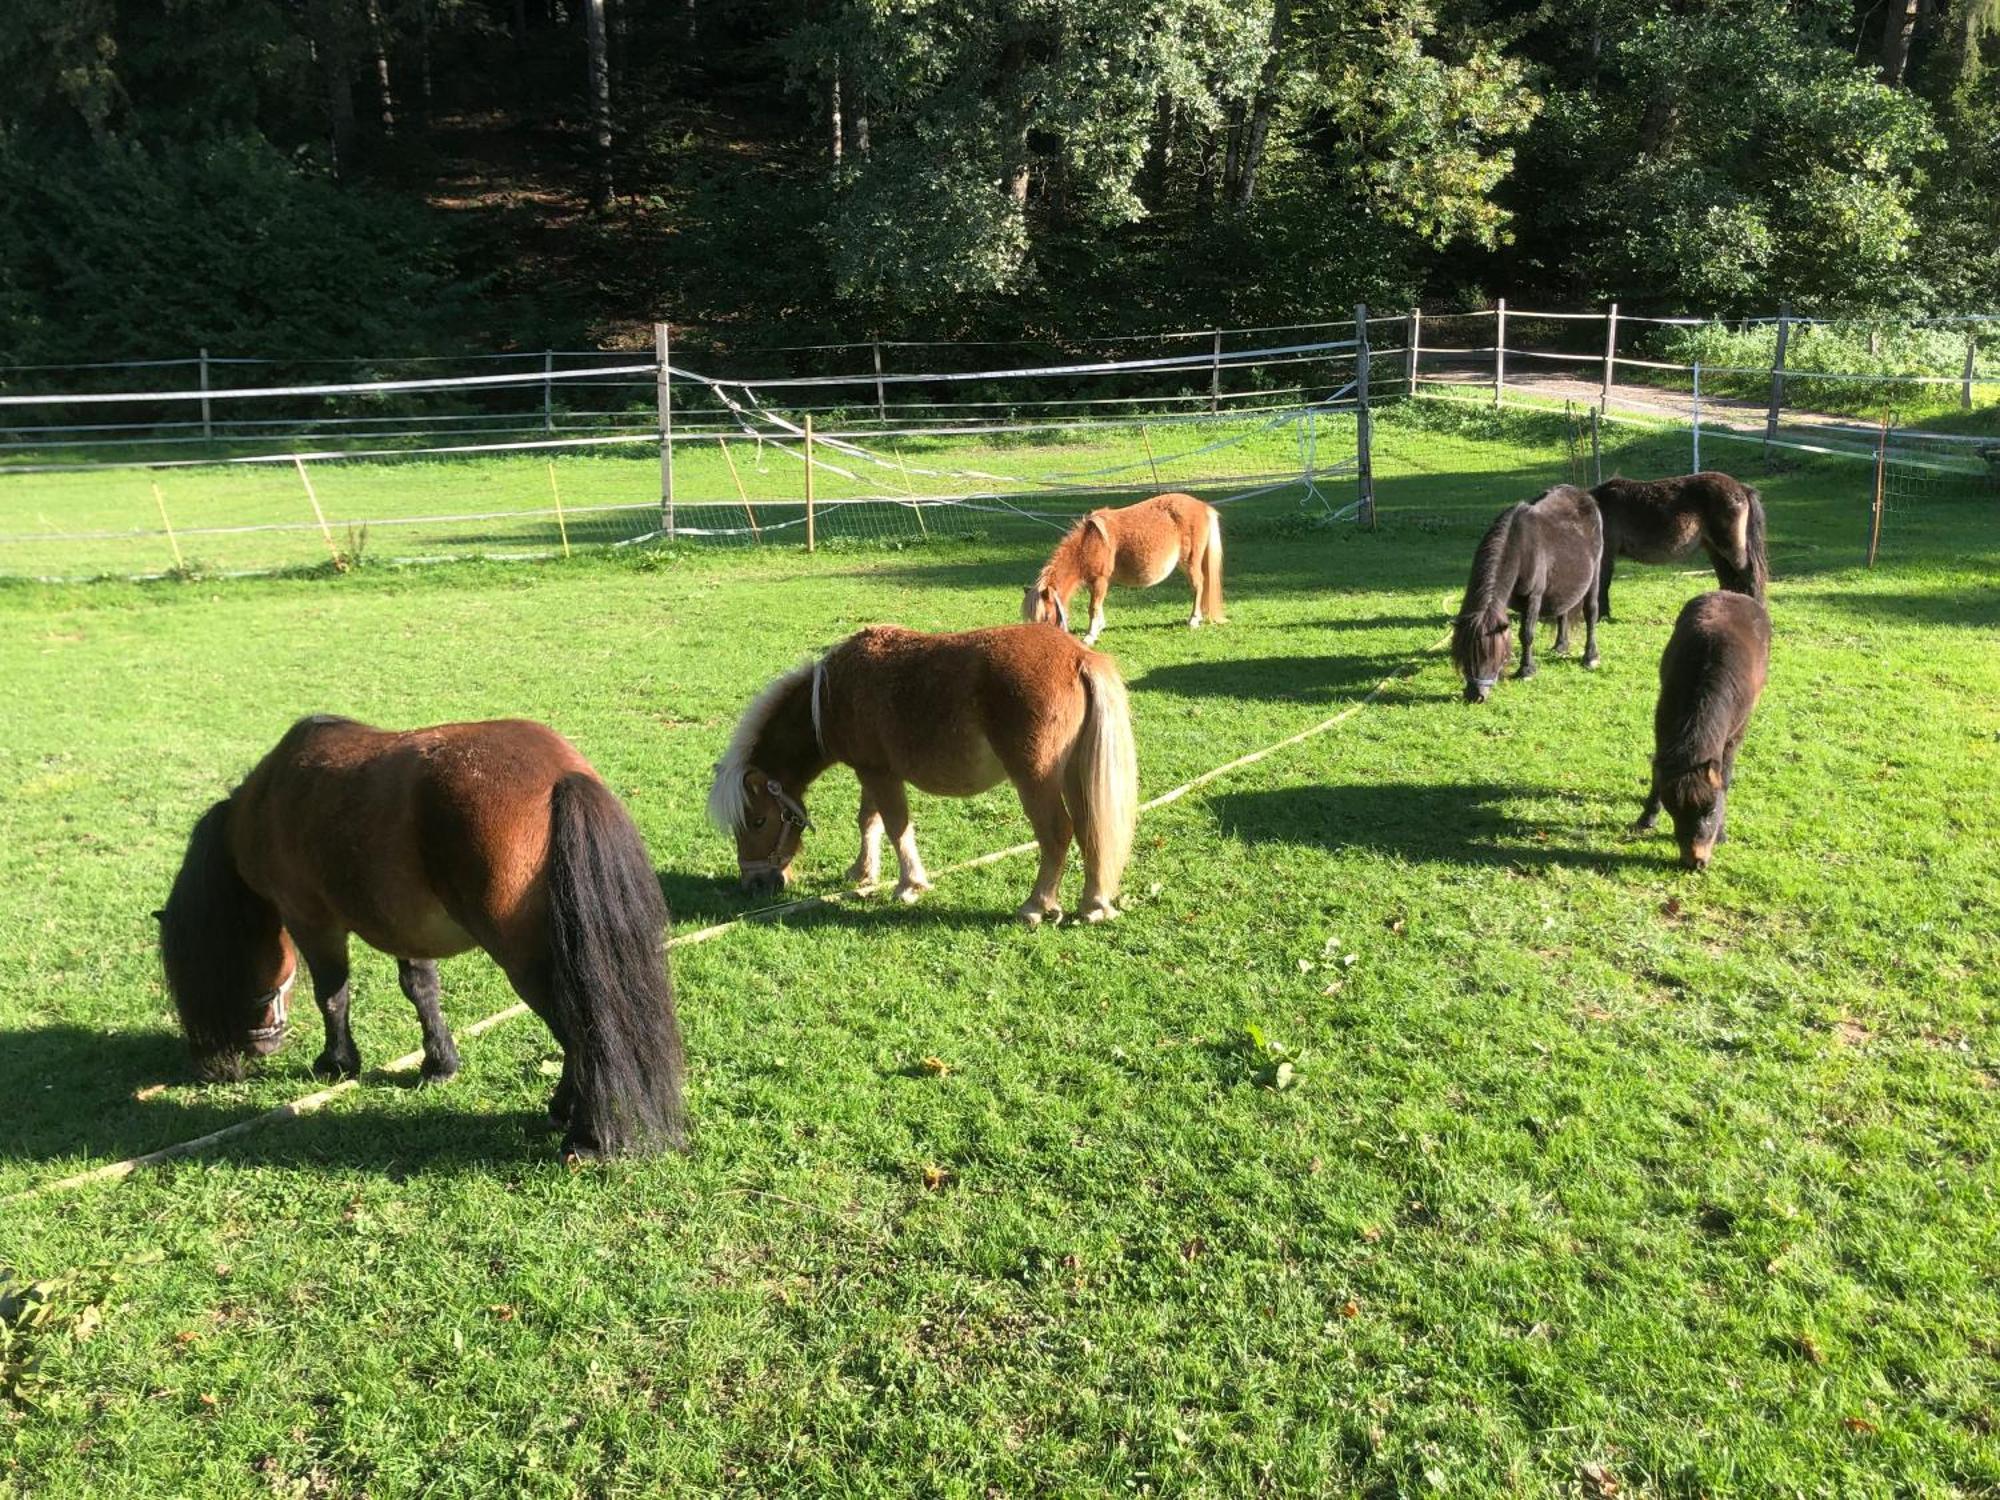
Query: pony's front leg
[[1562, 635], [1099, 587], [1194, 563], [325, 958], [1530, 613], [1603, 590], [419, 979], [894, 803], [1590, 617], [866, 871], [1047, 814], [1651, 814]]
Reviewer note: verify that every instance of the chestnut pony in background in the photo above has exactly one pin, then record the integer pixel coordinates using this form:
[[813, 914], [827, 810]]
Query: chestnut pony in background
[[1139, 545], [425, 844]]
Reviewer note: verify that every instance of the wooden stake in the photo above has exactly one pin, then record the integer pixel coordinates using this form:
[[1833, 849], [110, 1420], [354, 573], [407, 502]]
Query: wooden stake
[[1146, 433], [161, 501], [325, 530], [1881, 469], [811, 543], [561, 525], [730, 459], [1499, 350]]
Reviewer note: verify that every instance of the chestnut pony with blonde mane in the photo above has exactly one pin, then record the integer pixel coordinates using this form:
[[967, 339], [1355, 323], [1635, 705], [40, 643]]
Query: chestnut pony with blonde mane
[[952, 715], [1139, 545], [425, 844]]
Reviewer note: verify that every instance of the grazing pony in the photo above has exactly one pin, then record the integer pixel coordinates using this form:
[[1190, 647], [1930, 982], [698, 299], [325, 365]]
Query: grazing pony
[[1539, 559], [952, 714], [1710, 676], [1661, 521], [1137, 545], [424, 844]]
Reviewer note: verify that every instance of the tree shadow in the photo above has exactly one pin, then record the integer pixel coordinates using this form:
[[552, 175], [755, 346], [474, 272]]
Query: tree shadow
[[1977, 607], [75, 1091], [1277, 679], [1450, 822]]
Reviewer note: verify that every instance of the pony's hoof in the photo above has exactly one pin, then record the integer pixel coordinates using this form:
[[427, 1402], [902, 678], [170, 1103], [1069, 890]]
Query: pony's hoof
[[1194, 623], [332, 1065], [575, 1153], [1033, 914], [1098, 911], [863, 881], [442, 1071], [1590, 663], [911, 891], [1525, 673], [1645, 825]]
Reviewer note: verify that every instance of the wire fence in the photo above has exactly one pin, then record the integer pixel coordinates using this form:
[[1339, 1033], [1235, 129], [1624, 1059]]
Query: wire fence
[[135, 469]]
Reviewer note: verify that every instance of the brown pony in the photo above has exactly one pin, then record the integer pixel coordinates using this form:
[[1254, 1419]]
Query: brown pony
[[1662, 520], [1710, 677], [1138, 545], [424, 844], [952, 714], [1539, 559]]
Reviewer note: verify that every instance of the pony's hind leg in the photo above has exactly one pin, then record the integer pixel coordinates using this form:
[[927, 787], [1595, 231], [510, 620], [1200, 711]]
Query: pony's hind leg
[[888, 795], [1562, 633], [1099, 587], [1530, 613], [866, 871], [325, 958], [1050, 818], [1590, 618], [1196, 563], [419, 979]]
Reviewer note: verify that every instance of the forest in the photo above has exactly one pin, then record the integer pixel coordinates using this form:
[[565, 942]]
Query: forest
[[311, 178]]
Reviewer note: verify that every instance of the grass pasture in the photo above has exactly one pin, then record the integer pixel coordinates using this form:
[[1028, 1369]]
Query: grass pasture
[[1590, 1176]]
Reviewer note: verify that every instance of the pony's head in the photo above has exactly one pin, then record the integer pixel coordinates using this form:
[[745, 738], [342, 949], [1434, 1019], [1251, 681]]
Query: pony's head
[[1481, 643], [229, 963], [769, 823], [1694, 798], [1042, 605]]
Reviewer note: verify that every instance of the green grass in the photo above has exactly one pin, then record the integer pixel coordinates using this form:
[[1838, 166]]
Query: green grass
[[1587, 1165]]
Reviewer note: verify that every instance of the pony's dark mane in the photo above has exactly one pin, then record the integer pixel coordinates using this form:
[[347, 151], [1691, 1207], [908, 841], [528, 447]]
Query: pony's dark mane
[[209, 931], [1706, 691], [1485, 596]]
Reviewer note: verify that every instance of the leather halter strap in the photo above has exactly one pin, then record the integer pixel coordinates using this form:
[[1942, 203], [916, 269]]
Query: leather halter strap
[[278, 997]]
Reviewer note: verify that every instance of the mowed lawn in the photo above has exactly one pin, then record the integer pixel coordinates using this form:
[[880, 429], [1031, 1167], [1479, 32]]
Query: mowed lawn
[[1591, 1176]]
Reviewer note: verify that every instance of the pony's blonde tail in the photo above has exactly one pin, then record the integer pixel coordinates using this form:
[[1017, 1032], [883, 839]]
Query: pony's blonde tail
[[1211, 572], [1101, 785]]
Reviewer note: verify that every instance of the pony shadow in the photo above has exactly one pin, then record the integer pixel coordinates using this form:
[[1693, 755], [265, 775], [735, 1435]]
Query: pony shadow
[[1276, 679], [74, 1091], [1457, 823], [1976, 608]]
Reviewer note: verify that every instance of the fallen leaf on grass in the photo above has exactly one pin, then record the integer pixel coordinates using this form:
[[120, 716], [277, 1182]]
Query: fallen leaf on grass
[[1193, 1247], [504, 1311], [1604, 1483], [937, 1067], [1809, 1347], [150, 1091], [1858, 1424], [935, 1177], [1371, 1234], [1350, 1309], [1671, 908]]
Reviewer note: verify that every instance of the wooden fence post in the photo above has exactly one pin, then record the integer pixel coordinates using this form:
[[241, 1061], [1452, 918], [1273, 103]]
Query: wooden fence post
[[1881, 471], [1499, 350], [548, 390], [811, 541], [663, 390], [1971, 369], [1364, 463], [1610, 359], [1215, 376], [1777, 377], [881, 402], [209, 431], [1416, 346]]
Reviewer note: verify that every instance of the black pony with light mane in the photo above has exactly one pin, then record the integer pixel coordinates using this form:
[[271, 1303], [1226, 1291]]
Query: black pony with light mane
[[1663, 520], [1541, 560]]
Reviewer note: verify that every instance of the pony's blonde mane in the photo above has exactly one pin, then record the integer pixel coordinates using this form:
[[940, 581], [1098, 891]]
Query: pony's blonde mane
[[728, 798]]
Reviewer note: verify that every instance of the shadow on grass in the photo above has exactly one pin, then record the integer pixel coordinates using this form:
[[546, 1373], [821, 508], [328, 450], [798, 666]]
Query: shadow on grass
[[73, 1091], [1455, 823], [1974, 608], [1276, 679]]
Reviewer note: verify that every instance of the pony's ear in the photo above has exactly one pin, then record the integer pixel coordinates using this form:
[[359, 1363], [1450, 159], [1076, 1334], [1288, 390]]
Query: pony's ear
[[1496, 622], [159, 914], [1714, 774], [753, 781]]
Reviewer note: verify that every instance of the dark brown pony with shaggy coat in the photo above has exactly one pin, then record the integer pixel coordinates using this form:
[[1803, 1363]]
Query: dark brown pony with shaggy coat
[[1137, 545], [1663, 520], [425, 844], [1539, 559], [952, 715], [1711, 675]]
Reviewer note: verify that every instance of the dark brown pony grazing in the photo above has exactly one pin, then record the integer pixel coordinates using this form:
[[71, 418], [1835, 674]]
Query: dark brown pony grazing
[[1541, 560], [1662, 520], [1710, 676], [1139, 545], [425, 844], [953, 715]]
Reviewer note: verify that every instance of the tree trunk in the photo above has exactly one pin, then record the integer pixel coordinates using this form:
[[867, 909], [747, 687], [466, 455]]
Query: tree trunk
[[424, 56], [329, 45], [1232, 160], [1899, 25], [1260, 111], [1204, 176], [836, 130], [1160, 152], [602, 191], [854, 117], [385, 97]]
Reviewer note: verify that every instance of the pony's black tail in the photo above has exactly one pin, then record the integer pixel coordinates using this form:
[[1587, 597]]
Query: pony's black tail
[[1753, 546], [612, 999]]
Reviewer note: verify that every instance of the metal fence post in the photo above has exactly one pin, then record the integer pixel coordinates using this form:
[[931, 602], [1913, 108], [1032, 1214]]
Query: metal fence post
[[1416, 344], [1499, 350], [1778, 377], [664, 391], [881, 403], [1215, 376], [1971, 369], [1610, 358], [1364, 461], [208, 428], [1697, 419], [548, 390]]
